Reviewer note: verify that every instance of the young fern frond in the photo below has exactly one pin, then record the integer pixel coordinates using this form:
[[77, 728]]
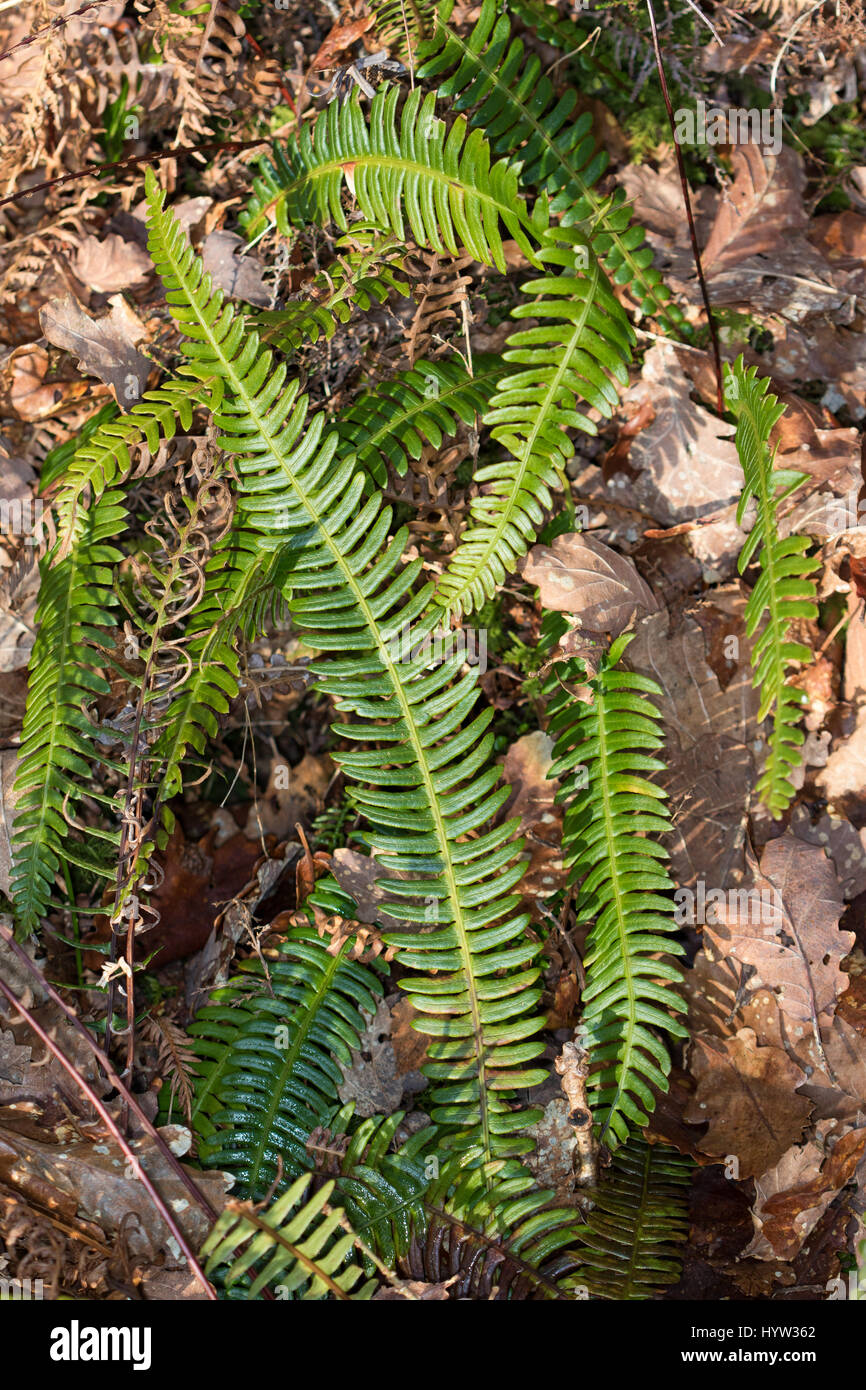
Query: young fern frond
[[58, 742], [577, 353], [425, 784], [639, 1215], [103, 460], [364, 273], [600, 751], [491, 1226], [392, 424], [270, 1063], [403, 171], [298, 1243], [509, 97], [785, 591]]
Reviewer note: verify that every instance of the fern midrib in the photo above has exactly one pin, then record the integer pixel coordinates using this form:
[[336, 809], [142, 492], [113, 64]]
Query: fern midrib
[[274, 1234], [611, 847], [510, 508], [766, 522], [251, 406], [587, 190]]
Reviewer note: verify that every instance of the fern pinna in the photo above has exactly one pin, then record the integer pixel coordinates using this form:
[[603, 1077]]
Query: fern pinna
[[603, 749], [427, 783], [785, 590]]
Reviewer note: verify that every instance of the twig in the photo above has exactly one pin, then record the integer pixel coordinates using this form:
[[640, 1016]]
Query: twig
[[122, 1143], [573, 1067], [720, 395]]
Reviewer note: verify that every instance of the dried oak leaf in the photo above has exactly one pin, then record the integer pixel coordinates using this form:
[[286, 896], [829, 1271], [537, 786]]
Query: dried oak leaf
[[112, 264], [104, 347], [580, 575], [710, 738], [532, 799], [374, 1081], [747, 1094], [792, 1196], [760, 210], [238, 276], [361, 876], [795, 948]]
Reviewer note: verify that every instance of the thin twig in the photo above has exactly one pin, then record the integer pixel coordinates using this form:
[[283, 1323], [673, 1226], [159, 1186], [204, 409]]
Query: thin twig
[[720, 395], [122, 1143]]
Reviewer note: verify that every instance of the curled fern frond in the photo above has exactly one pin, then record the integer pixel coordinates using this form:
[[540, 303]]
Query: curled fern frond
[[576, 353], [402, 170], [392, 424], [601, 749], [270, 1051], [785, 592], [509, 97], [639, 1215], [59, 747], [426, 781], [298, 1244]]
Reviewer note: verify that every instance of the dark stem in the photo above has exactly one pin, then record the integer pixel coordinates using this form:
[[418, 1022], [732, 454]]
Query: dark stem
[[720, 395]]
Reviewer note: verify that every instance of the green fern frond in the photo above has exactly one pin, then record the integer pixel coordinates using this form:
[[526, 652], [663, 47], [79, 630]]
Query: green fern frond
[[271, 1053], [403, 171], [364, 273], [785, 591], [425, 784], [59, 746], [509, 97], [638, 1218], [577, 353], [303, 1246], [102, 459], [489, 1225], [392, 424], [600, 751], [403, 24]]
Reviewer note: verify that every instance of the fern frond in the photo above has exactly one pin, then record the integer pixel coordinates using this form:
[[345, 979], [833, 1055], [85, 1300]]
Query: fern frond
[[425, 784], [271, 1052], [303, 1246], [639, 1215], [102, 460], [785, 591], [509, 97], [600, 751], [403, 24], [364, 273], [577, 353], [489, 1225], [407, 170], [392, 424], [58, 742]]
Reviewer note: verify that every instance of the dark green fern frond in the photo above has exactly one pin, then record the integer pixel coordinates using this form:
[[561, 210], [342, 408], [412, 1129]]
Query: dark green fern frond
[[271, 1062], [392, 424], [406, 170], [298, 1246], [639, 1216], [425, 781], [785, 592], [576, 354], [601, 749], [514, 102], [364, 273], [490, 1225], [59, 748]]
